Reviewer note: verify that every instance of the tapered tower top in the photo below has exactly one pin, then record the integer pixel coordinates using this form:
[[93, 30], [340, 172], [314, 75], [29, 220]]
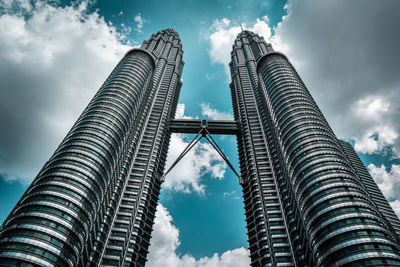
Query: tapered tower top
[[250, 37], [167, 45], [248, 46], [168, 34]]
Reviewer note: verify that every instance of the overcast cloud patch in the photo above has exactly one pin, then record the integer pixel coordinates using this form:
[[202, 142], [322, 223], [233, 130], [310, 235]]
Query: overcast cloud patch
[[52, 61], [388, 182]]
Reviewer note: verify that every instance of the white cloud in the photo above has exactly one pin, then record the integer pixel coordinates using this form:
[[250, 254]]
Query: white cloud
[[372, 107], [124, 29], [52, 61], [388, 182], [214, 114], [231, 258], [224, 33], [180, 112], [165, 241], [375, 140], [261, 27], [222, 40], [378, 134], [139, 22]]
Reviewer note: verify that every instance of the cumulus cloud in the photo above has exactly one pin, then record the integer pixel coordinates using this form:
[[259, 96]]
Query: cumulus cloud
[[180, 112], [372, 107], [139, 20], [165, 241], [214, 114], [200, 160], [379, 134], [52, 61], [376, 139], [388, 182], [224, 32]]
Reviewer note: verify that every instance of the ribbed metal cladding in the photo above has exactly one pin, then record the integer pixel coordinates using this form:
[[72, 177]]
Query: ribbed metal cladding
[[128, 233], [94, 201], [267, 225], [342, 224], [54, 220], [372, 188]]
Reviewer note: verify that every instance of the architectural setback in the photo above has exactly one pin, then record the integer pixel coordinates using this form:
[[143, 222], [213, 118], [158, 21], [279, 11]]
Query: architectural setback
[[309, 200]]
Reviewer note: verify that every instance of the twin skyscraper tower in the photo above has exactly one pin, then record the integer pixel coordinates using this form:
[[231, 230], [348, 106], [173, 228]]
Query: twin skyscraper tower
[[309, 201]]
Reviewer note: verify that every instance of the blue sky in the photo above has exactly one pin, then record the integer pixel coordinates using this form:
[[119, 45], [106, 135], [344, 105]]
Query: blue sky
[[54, 57]]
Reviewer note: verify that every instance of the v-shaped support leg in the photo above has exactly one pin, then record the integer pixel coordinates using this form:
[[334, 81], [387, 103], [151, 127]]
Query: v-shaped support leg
[[184, 152], [202, 133], [220, 152]]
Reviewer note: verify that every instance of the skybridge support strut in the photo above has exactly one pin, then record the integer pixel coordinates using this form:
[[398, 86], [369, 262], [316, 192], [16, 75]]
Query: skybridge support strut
[[203, 128]]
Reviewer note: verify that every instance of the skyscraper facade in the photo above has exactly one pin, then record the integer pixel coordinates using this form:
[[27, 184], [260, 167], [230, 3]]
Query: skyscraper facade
[[93, 203], [371, 186], [308, 199]]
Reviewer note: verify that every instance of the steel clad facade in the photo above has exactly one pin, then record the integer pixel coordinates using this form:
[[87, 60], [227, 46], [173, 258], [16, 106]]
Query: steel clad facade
[[93, 202], [371, 187], [326, 213]]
